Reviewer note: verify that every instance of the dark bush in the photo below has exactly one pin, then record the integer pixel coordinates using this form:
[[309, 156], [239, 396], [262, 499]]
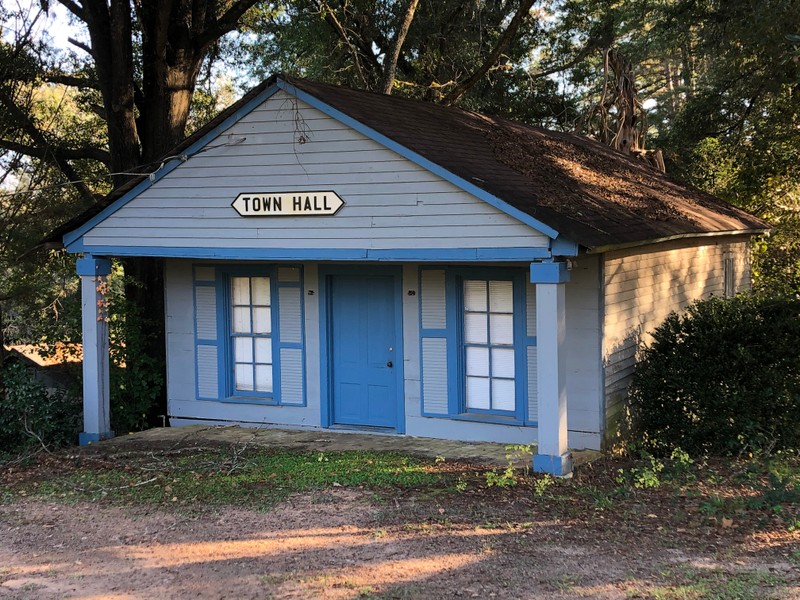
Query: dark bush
[[721, 379], [31, 416]]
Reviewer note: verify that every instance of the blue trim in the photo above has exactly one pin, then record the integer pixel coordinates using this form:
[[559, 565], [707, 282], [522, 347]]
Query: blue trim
[[560, 466], [301, 345], [198, 341], [89, 266], [458, 359], [423, 162], [326, 321], [326, 395], [549, 272], [84, 439], [563, 247], [530, 340], [223, 343], [72, 236], [323, 254], [433, 333], [453, 333]]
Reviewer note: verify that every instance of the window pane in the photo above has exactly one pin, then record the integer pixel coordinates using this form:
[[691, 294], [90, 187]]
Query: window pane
[[244, 378], [503, 362], [502, 327], [263, 378], [477, 392], [262, 320], [478, 361], [241, 290], [475, 328], [475, 296], [261, 291], [501, 296], [503, 394], [264, 351], [241, 319], [243, 350]]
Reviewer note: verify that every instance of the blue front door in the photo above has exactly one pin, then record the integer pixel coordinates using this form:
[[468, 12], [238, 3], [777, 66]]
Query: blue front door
[[364, 350]]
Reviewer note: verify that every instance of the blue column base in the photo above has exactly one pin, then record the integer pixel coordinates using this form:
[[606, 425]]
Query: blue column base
[[84, 439], [560, 466]]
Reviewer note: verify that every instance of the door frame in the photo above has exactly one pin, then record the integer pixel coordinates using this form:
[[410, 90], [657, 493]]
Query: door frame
[[326, 272]]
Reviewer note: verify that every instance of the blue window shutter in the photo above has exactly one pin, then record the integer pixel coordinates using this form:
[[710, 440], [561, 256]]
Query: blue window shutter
[[434, 343], [206, 334], [289, 365], [532, 416]]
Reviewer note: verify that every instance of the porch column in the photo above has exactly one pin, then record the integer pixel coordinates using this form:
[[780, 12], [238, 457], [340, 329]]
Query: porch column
[[96, 387], [552, 455]]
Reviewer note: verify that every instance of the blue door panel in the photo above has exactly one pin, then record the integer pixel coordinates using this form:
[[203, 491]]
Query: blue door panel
[[363, 340]]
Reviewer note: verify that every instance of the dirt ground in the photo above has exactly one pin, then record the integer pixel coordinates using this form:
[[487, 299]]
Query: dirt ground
[[320, 546], [351, 542]]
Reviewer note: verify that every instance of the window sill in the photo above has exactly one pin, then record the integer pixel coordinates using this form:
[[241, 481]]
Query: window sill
[[268, 401], [487, 418]]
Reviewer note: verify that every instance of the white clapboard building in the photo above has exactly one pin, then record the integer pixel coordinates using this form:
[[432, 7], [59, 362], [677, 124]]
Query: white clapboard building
[[342, 259]]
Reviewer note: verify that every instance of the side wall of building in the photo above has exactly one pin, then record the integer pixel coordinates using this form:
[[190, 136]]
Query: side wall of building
[[642, 285]]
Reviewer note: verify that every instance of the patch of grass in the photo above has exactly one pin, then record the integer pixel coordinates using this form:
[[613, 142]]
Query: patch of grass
[[716, 584], [215, 478]]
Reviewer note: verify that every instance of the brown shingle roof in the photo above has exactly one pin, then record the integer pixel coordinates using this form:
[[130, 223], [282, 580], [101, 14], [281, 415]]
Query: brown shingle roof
[[586, 191]]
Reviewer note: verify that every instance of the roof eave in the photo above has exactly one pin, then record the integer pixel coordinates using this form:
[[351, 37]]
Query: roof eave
[[672, 238]]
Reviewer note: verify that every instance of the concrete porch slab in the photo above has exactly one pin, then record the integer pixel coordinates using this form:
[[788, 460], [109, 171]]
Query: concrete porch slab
[[328, 440]]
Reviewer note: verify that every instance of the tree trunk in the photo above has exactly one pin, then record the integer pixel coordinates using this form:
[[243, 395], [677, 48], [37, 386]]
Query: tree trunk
[[2, 340], [110, 30]]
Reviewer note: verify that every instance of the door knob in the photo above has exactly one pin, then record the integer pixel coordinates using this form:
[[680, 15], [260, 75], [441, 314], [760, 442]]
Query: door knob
[[389, 364]]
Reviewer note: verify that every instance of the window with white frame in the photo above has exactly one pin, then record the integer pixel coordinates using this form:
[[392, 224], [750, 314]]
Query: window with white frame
[[489, 346], [251, 335]]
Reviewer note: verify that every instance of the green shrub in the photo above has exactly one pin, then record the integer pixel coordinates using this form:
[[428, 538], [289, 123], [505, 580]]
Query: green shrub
[[136, 385], [722, 378], [30, 416]]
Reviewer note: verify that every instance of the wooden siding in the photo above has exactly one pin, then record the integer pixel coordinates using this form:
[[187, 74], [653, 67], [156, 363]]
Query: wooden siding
[[390, 202], [582, 345], [643, 285]]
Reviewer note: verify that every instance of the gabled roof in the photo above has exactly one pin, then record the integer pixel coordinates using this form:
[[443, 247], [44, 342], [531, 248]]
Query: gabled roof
[[584, 190]]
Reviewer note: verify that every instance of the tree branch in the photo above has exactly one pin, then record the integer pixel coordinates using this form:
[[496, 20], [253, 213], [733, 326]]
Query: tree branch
[[225, 23], [393, 54], [41, 142], [71, 80], [81, 45], [59, 153], [505, 40], [330, 17], [73, 7]]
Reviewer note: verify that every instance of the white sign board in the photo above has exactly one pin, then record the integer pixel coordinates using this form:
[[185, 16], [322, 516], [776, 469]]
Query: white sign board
[[287, 204]]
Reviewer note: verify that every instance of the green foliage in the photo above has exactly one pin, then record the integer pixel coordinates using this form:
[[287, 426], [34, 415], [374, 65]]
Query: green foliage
[[506, 478], [542, 484], [643, 477], [723, 378], [218, 478], [31, 416], [136, 385]]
